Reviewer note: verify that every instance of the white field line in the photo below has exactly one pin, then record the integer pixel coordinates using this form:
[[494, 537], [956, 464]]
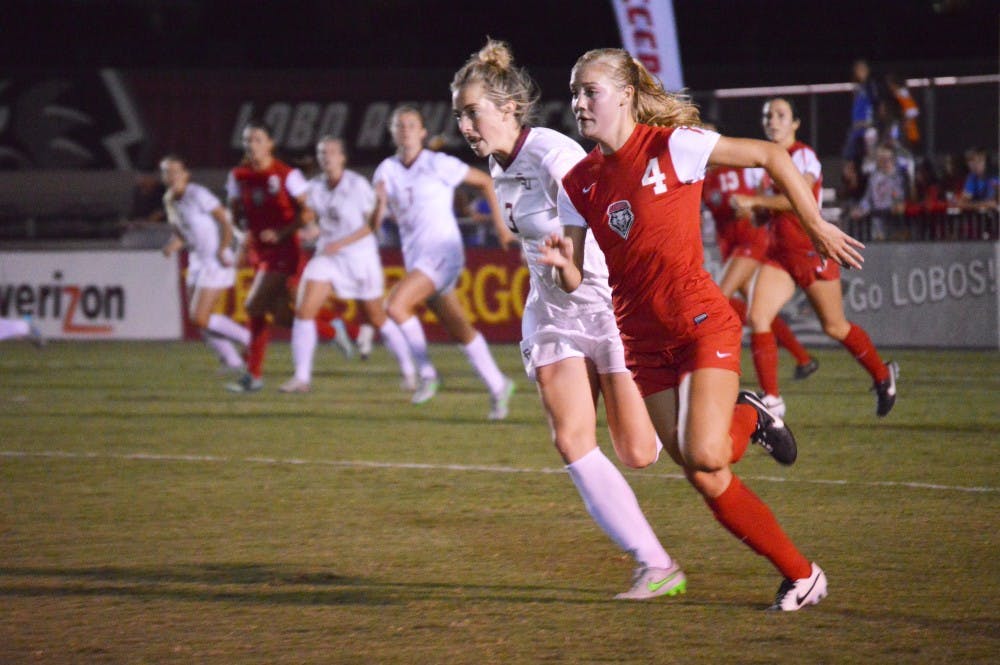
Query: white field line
[[361, 464]]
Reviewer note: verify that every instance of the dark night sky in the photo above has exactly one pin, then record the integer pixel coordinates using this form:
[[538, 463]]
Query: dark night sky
[[723, 42]]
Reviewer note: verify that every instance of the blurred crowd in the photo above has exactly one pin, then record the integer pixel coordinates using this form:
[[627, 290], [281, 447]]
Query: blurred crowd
[[891, 189]]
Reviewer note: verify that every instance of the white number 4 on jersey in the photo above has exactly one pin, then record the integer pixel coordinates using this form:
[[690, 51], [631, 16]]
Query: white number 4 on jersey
[[653, 176]]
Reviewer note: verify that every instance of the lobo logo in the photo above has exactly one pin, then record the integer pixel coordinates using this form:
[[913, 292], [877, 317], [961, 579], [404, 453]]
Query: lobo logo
[[68, 122], [620, 218]]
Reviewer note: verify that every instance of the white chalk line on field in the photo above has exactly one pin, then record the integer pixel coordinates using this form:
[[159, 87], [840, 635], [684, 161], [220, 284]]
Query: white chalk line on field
[[362, 464]]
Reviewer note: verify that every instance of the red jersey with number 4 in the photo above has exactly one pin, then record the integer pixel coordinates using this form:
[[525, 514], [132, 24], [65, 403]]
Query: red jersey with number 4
[[642, 204]]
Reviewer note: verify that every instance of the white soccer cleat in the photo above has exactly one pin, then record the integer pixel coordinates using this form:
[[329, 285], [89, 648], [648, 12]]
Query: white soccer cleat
[[342, 339], [293, 385], [366, 340], [425, 391], [409, 383], [500, 404], [795, 594], [774, 403], [648, 582]]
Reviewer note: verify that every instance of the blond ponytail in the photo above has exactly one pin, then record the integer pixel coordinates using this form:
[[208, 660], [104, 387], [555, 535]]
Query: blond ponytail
[[652, 104]]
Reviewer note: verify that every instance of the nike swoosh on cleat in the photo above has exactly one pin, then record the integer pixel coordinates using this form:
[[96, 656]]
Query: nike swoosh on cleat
[[799, 599], [720, 354], [656, 586]]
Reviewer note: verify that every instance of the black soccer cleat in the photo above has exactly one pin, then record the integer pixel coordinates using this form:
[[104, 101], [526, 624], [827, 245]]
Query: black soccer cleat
[[885, 391], [771, 434], [806, 369]]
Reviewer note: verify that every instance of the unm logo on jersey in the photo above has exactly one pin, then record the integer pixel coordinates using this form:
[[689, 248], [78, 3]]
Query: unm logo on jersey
[[620, 218]]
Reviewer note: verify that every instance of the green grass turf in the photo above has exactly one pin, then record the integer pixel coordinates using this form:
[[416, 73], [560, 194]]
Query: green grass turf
[[148, 516]]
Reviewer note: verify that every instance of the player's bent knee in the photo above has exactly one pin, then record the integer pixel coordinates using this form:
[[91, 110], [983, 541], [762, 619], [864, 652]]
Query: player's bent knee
[[707, 461], [635, 455]]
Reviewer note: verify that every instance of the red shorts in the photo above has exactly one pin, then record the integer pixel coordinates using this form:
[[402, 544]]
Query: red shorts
[[663, 370], [745, 240], [805, 266], [283, 259]]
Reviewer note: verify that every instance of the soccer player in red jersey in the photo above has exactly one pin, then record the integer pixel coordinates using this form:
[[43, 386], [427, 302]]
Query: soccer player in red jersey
[[743, 246], [793, 260], [269, 196], [639, 193]]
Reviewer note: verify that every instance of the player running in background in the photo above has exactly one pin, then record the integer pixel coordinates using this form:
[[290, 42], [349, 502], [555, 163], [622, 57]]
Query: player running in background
[[743, 247], [268, 194], [200, 223], [420, 186], [23, 327], [570, 346], [639, 193], [792, 260], [343, 210]]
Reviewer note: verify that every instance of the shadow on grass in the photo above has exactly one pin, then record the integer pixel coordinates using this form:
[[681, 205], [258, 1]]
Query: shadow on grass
[[264, 584]]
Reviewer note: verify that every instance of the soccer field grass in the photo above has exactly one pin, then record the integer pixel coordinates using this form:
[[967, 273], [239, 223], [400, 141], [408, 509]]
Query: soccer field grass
[[148, 516]]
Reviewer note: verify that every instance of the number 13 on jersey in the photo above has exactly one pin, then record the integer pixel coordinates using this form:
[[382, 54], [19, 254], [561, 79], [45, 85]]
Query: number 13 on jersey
[[654, 176]]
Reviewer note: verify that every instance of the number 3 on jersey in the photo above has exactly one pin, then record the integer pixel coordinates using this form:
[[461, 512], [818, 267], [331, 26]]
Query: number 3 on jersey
[[653, 176]]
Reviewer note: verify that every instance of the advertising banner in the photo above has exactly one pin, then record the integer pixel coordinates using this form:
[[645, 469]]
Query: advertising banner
[[492, 289], [93, 294], [926, 294], [942, 295]]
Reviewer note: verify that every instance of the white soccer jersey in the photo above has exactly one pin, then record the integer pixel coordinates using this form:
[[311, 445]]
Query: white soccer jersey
[[528, 190], [191, 215], [343, 209], [421, 199]]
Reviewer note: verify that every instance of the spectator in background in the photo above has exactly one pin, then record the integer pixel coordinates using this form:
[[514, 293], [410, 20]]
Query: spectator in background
[[862, 110], [953, 175], [852, 185], [908, 111], [927, 202], [981, 187], [928, 197], [885, 195]]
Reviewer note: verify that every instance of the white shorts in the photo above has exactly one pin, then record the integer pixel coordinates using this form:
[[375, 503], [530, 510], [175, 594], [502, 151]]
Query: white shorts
[[549, 338], [443, 268], [352, 279], [210, 275]]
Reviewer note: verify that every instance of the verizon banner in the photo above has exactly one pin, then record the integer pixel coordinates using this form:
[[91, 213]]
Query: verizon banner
[[93, 294], [649, 33]]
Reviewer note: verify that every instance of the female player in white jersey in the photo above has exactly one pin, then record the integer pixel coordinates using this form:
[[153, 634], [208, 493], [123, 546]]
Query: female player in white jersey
[[570, 345], [342, 209], [201, 223], [420, 188]]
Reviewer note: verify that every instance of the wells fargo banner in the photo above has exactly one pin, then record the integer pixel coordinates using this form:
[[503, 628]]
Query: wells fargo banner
[[492, 289]]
